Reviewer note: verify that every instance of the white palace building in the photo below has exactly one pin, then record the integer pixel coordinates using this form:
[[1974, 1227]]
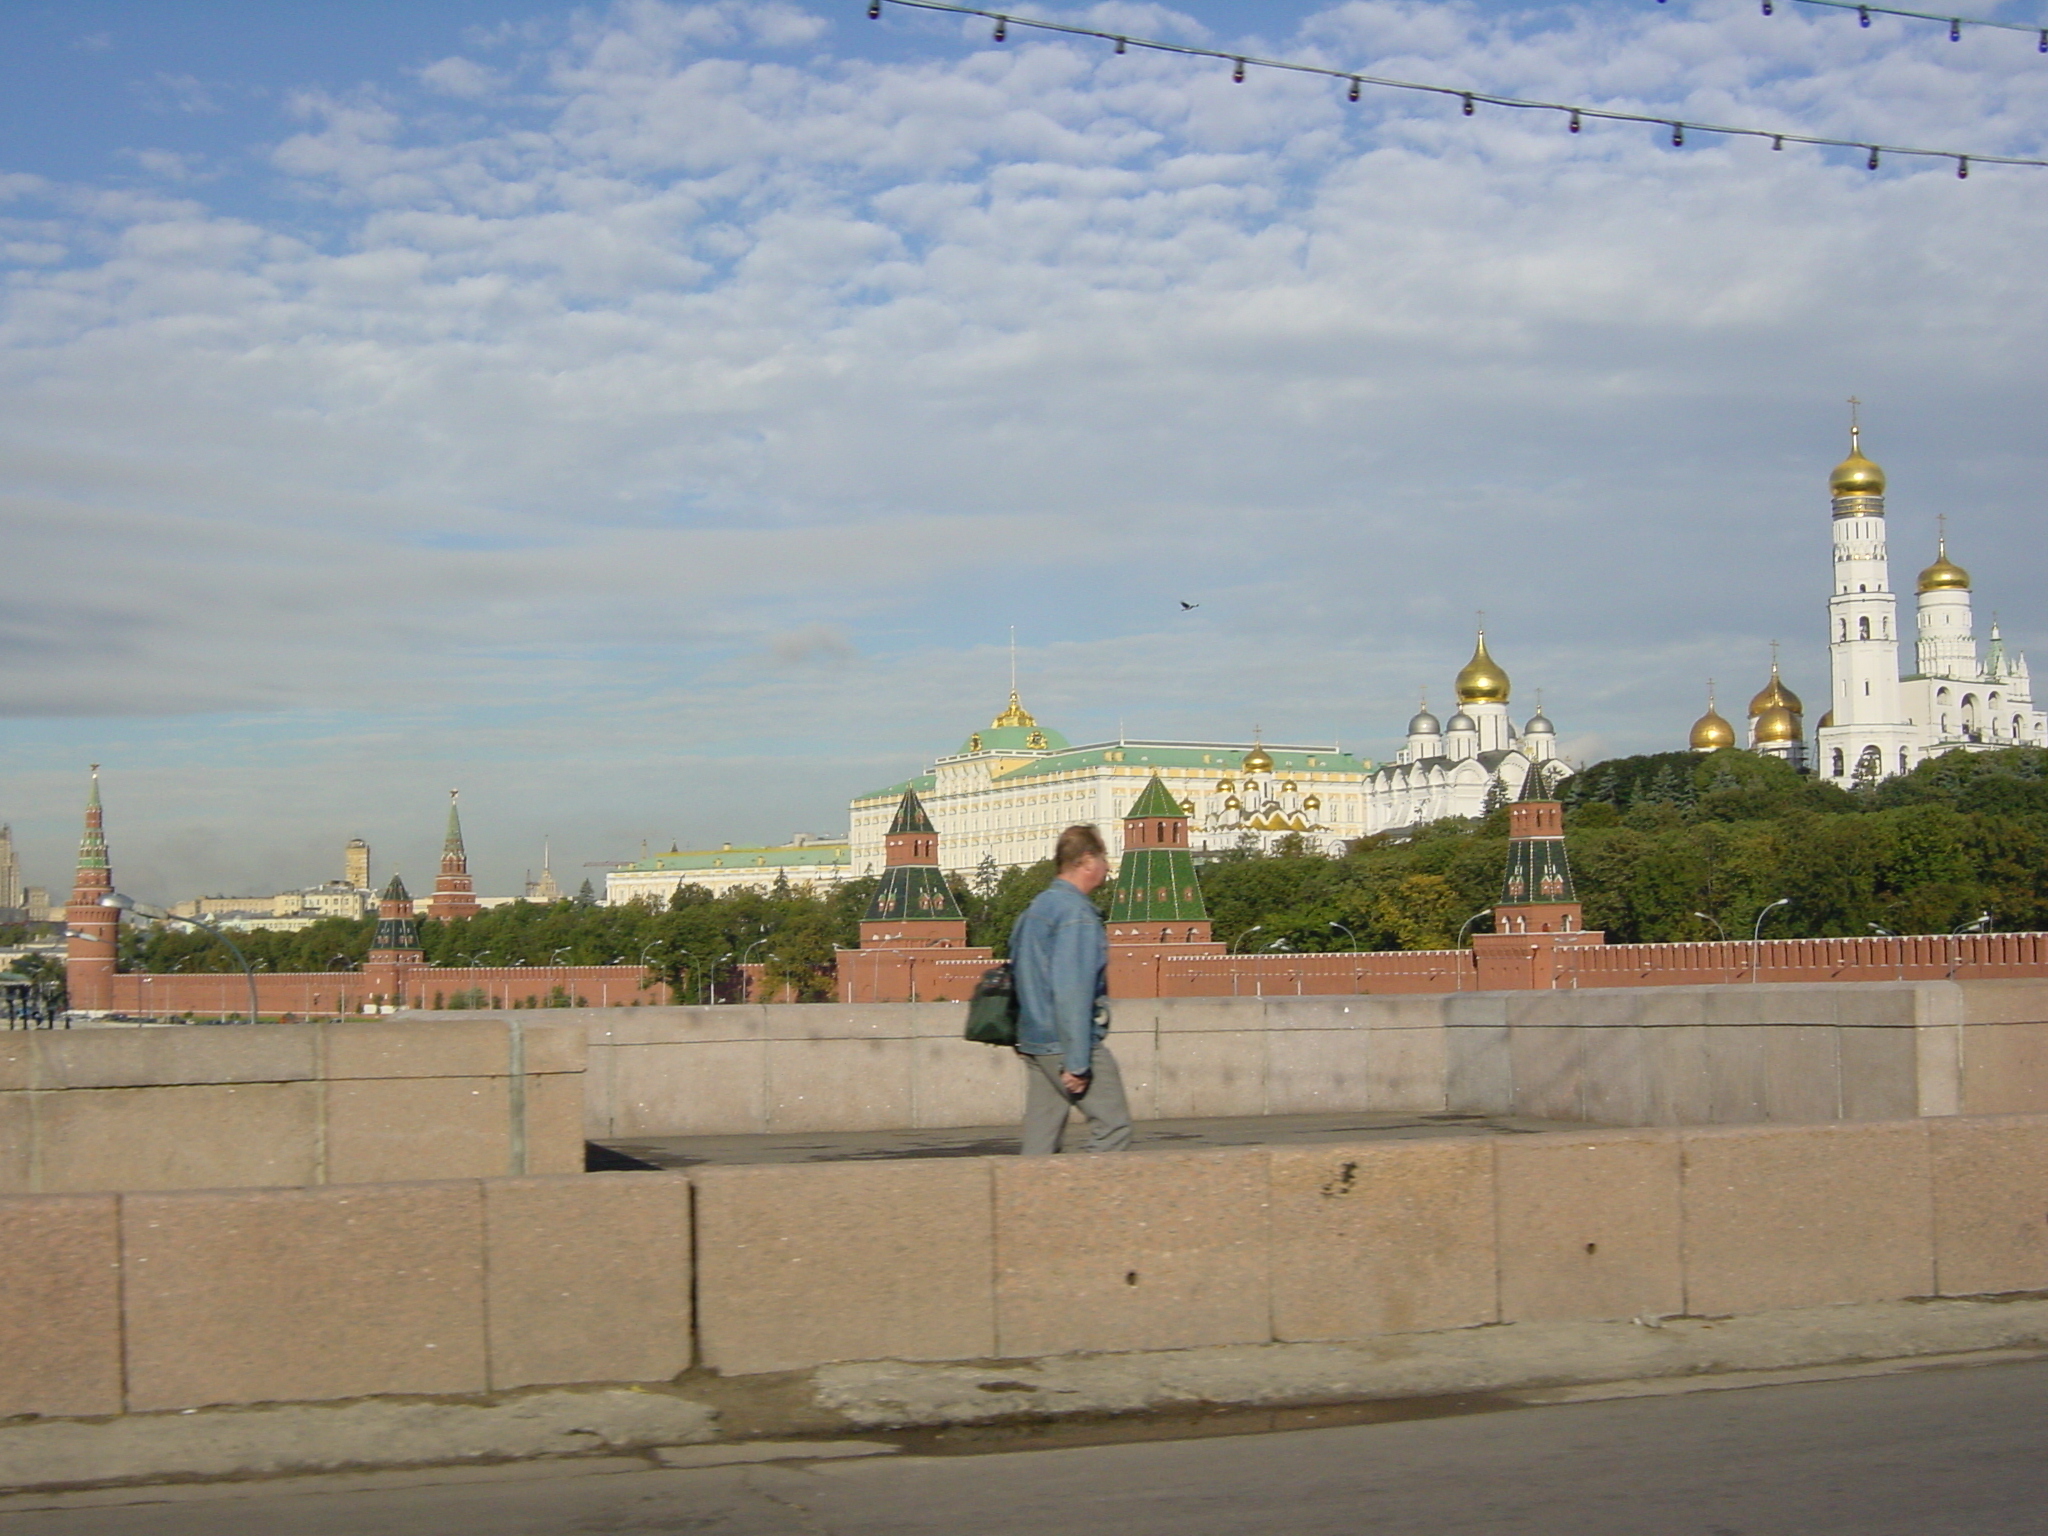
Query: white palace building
[[1004, 795]]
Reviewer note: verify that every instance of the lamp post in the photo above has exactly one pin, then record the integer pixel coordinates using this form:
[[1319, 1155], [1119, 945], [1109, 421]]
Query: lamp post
[[1977, 924], [1881, 930], [1719, 932], [120, 904], [1466, 926], [745, 955], [1756, 935], [1337, 927], [1255, 928]]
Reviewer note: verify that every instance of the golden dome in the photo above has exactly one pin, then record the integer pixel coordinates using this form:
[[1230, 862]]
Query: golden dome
[[1827, 720], [1710, 732], [1856, 475], [1481, 681], [1944, 575], [1258, 760], [1016, 714], [1777, 724], [1775, 695]]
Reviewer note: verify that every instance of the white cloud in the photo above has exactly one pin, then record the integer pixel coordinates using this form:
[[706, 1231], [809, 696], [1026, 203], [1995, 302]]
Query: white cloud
[[697, 377]]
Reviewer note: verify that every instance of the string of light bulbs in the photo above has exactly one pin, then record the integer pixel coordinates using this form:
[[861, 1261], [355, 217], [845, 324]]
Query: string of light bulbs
[[1955, 23], [1471, 101]]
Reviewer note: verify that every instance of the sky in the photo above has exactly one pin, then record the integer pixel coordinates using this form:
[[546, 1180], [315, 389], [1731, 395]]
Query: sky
[[654, 418]]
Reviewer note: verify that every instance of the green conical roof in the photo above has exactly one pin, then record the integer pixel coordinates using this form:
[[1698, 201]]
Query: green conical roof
[[1157, 800], [910, 816], [396, 890], [453, 844], [1157, 885], [912, 893]]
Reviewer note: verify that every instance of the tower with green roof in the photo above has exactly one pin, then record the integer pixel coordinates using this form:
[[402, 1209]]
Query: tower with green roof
[[1537, 896], [913, 907], [1157, 899]]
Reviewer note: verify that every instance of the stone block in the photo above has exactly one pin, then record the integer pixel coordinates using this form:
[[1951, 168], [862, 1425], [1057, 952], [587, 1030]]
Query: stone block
[[589, 1278], [1131, 1251], [1285, 1015], [1806, 1217], [1137, 1057], [554, 1047], [1761, 1003], [1615, 1077], [599, 1092], [935, 1021], [1474, 1010], [17, 1146], [677, 1026], [124, 1058], [716, 1088], [2005, 1069], [418, 1046], [1878, 1071], [1938, 1068], [382, 1129], [1879, 1004], [1178, 1015], [1938, 1002], [1315, 1071], [838, 1021], [1382, 1237], [17, 1060], [2005, 1002], [197, 1136], [1478, 1074], [1206, 1073], [839, 1085], [1589, 1226], [1670, 1007], [799, 1265], [1548, 1065], [1735, 1073], [303, 1295], [959, 1082], [60, 1329], [1409, 1069], [1802, 1079], [1676, 1083], [1990, 1204], [554, 1123]]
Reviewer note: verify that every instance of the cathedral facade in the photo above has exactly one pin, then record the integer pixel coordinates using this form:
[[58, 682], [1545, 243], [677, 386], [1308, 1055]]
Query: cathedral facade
[[1893, 700], [1003, 797]]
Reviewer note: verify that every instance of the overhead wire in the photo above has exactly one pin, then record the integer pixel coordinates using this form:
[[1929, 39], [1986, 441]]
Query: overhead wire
[[1469, 100], [1954, 23]]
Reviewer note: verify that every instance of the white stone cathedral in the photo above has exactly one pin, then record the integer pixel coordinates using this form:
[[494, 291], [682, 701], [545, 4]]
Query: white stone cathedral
[[1884, 719]]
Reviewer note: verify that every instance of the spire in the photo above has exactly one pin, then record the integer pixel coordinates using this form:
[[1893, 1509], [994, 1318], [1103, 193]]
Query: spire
[[92, 847], [1156, 800], [398, 932], [454, 894], [911, 816], [453, 844]]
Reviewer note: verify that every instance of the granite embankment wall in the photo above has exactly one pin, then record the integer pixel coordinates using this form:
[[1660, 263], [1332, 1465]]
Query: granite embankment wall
[[277, 1104], [1668, 1055], [159, 1301]]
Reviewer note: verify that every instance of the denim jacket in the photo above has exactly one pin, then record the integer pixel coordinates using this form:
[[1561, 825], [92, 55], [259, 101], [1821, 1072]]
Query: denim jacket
[[1060, 957]]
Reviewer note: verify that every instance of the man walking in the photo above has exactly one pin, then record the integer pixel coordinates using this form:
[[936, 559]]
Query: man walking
[[1060, 957]]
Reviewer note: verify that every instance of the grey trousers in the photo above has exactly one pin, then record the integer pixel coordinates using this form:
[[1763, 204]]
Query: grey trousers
[[1046, 1104]]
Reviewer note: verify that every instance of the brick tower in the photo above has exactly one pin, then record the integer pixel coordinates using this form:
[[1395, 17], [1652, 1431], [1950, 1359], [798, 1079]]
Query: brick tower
[[1157, 899], [1537, 896], [395, 948], [453, 895], [913, 907], [89, 950]]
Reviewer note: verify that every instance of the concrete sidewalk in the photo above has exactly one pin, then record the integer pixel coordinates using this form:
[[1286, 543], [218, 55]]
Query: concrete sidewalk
[[998, 1140], [876, 1407]]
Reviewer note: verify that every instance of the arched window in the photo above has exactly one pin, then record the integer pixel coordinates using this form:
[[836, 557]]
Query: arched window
[[1904, 766], [1863, 629], [1838, 762]]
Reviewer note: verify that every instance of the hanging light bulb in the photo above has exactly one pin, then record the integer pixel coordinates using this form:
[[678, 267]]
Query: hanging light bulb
[[1767, 7], [1237, 74], [1863, 15], [1871, 163], [1955, 30], [1677, 135], [1119, 45], [874, 10], [1575, 120], [1777, 141], [2044, 40], [1468, 103], [1354, 88], [1002, 28], [1962, 167]]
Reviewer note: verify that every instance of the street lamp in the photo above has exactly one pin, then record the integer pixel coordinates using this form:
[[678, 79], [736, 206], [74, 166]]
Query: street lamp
[[745, 955], [1467, 925], [1719, 932], [120, 904], [1977, 924], [1255, 928], [1337, 927], [1757, 933], [1881, 929]]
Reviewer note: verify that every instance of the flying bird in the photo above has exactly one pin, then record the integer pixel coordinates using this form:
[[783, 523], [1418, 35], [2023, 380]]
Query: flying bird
[[1185, 606]]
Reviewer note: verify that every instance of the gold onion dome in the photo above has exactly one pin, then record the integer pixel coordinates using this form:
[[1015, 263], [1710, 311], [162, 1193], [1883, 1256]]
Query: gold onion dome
[[1710, 732], [1258, 760], [1777, 724], [1856, 475], [1481, 680], [1775, 695], [1944, 575]]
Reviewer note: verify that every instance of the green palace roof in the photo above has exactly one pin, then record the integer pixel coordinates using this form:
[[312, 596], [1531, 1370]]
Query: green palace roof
[[811, 855], [1221, 760]]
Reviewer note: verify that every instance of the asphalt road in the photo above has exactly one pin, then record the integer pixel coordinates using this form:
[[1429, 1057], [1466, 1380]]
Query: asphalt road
[[1918, 1454]]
